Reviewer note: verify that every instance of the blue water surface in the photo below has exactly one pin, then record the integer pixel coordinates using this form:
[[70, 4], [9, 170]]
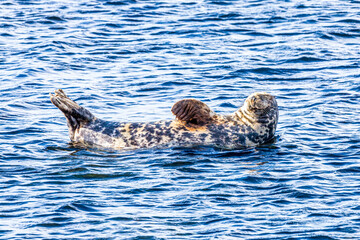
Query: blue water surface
[[130, 60]]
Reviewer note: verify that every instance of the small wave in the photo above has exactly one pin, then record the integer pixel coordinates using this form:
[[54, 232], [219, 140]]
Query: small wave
[[122, 56], [119, 3]]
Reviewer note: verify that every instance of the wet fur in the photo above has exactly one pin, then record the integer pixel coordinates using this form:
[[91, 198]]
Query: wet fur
[[253, 124]]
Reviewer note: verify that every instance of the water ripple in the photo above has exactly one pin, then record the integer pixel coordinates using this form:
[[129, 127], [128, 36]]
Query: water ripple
[[130, 61]]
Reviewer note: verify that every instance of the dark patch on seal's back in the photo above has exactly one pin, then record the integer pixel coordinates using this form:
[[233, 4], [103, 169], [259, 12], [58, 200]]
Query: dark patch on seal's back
[[135, 125], [254, 137], [105, 127], [203, 136], [237, 134], [169, 133], [186, 135], [133, 131], [219, 134], [158, 137], [241, 140], [221, 138], [148, 137], [132, 141], [149, 128]]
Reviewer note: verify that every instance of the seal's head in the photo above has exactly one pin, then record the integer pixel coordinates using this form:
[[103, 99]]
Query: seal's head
[[260, 107]]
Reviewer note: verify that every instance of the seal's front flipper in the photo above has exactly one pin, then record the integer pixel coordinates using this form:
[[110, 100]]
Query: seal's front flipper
[[193, 111], [75, 114]]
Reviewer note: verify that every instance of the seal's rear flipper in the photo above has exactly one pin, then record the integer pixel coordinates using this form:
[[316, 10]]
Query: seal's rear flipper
[[193, 111], [75, 114]]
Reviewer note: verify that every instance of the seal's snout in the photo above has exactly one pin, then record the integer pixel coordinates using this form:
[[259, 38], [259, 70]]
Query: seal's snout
[[260, 107], [260, 101]]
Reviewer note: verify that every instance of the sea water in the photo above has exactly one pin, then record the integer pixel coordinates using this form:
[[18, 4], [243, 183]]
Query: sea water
[[131, 60]]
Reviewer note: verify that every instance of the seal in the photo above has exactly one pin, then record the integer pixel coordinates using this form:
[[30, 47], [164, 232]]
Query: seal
[[195, 124]]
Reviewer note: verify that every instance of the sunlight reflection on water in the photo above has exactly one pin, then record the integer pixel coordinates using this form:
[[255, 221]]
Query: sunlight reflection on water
[[130, 61]]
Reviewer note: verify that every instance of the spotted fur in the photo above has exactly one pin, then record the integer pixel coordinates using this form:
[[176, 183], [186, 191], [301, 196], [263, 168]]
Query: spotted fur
[[195, 124]]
